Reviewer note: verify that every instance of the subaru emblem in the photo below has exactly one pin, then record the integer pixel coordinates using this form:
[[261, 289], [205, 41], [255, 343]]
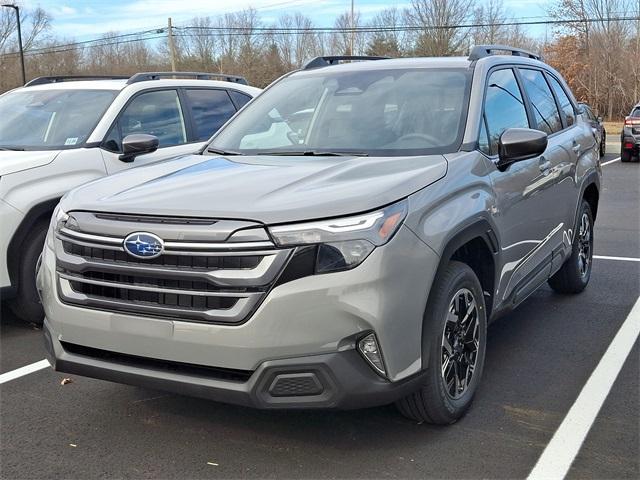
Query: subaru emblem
[[143, 245]]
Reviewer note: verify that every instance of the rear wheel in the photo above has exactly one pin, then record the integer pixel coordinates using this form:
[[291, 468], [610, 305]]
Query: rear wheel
[[574, 275], [455, 328], [26, 305], [603, 144]]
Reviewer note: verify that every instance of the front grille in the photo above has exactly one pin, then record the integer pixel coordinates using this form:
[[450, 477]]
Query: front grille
[[217, 282], [167, 260], [217, 373]]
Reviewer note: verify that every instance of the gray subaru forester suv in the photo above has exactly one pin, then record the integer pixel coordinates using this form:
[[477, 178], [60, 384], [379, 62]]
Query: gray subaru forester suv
[[342, 242]]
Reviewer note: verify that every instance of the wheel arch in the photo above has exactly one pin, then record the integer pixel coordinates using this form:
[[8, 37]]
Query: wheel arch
[[35, 215], [476, 244]]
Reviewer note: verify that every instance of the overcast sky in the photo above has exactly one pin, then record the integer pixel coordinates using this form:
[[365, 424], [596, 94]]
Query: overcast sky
[[84, 19]]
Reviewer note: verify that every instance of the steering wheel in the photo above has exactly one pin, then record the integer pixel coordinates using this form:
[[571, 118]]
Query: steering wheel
[[419, 136]]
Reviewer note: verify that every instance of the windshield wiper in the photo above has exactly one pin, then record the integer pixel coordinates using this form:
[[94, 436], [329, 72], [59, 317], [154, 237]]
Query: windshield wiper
[[14, 149], [315, 153], [217, 151]]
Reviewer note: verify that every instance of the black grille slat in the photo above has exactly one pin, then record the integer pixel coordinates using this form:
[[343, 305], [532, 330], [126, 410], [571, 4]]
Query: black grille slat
[[200, 277], [178, 262]]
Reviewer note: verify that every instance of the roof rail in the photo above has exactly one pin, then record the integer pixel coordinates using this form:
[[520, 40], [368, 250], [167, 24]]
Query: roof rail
[[64, 78], [481, 51], [144, 76], [334, 59]]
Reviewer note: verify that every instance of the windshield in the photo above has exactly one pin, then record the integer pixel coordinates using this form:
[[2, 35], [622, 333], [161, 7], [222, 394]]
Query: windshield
[[50, 119], [375, 112]]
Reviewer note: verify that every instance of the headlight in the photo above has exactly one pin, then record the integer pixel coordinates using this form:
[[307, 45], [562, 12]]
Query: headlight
[[57, 217], [343, 243]]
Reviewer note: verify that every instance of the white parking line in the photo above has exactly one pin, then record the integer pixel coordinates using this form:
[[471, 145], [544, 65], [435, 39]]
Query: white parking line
[[22, 371], [610, 161], [619, 259], [555, 461]]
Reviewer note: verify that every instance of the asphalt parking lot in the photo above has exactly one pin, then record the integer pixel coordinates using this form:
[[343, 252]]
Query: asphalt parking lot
[[538, 360]]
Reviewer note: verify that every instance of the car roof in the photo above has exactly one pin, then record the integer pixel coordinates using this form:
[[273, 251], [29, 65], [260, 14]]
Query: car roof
[[121, 84]]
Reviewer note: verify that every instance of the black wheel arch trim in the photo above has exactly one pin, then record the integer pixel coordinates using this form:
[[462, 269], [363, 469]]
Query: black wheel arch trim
[[592, 178], [33, 216], [477, 227]]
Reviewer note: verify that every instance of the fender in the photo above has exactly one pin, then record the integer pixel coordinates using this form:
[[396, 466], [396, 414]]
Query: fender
[[37, 213], [478, 227]]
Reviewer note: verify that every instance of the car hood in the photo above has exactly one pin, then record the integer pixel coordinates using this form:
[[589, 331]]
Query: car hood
[[12, 161], [264, 189]]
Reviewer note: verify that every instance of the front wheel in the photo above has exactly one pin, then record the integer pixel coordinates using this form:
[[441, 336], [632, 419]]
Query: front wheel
[[455, 329], [26, 306], [574, 275]]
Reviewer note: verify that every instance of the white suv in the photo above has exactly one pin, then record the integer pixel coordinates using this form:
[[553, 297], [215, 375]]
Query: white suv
[[59, 132]]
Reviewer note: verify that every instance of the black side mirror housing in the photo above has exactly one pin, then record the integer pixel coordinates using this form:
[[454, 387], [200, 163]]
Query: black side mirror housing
[[599, 119], [138, 144], [518, 144]]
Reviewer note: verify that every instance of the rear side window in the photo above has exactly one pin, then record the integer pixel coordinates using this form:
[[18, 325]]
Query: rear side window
[[157, 113], [240, 99], [565, 103], [636, 113], [503, 108], [545, 111], [210, 110]]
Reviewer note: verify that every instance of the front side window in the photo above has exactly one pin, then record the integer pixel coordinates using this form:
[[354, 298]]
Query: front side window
[[545, 111], [565, 103], [503, 107], [50, 119], [388, 112], [210, 110], [156, 113]]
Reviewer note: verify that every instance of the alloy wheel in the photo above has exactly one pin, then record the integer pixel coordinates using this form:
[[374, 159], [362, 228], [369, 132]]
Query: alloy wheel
[[460, 343], [584, 245]]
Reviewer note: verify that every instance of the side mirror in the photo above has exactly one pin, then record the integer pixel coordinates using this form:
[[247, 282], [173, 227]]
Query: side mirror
[[599, 119], [517, 144], [137, 144]]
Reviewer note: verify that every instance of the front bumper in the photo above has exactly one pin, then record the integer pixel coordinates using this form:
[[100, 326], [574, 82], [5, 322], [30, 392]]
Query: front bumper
[[332, 380], [309, 322]]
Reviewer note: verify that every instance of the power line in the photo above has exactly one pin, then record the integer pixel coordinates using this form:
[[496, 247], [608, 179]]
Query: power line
[[274, 30]]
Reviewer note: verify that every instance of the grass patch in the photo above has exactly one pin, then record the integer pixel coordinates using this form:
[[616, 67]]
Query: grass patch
[[613, 128]]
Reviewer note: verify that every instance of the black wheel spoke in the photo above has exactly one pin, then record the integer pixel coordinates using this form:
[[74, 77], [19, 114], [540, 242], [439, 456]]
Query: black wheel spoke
[[460, 343]]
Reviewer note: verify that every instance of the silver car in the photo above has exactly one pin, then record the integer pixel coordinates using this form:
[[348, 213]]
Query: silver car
[[342, 242]]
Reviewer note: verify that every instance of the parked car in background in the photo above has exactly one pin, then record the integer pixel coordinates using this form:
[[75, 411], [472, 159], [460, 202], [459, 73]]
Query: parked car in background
[[597, 125], [59, 132], [630, 136], [342, 242]]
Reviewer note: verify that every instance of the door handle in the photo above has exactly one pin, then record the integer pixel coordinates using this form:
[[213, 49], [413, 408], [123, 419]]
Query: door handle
[[576, 147], [545, 165]]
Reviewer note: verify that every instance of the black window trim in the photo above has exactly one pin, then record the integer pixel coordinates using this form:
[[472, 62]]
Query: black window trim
[[555, 99], [192, 137], [504, 66], [548, 75], [185, 115], [238, 108]]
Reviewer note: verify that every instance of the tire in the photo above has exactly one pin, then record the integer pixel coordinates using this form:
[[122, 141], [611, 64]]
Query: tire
[[603, 145], [574, 275], [625, 155], [26, 305], [437, 401]]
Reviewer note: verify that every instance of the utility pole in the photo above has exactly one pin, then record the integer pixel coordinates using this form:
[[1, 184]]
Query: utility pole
[[17, 9], [172, 47], [353, 31]]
